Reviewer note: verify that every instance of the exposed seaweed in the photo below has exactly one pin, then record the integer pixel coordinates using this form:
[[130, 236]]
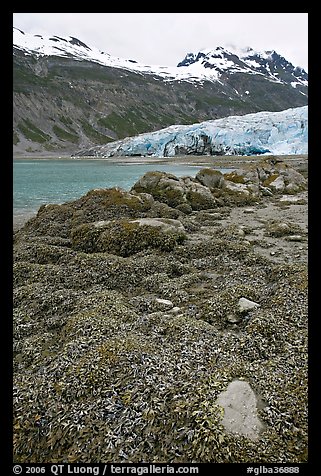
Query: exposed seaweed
[[125, 335]]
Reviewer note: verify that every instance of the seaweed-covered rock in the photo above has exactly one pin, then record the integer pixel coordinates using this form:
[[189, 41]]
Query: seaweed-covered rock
[[127, 237], [271, 173], [51, 220], [211, 178], [176, 191], [57, 221], [128, 332]]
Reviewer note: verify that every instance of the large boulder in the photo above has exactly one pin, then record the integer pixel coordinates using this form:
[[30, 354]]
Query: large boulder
[[211, 178], [55, 220], [163, 186], [197, 195], [127, 237], [174, 191]]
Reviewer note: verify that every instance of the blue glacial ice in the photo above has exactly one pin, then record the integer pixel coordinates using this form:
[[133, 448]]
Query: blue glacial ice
[[279, 133]]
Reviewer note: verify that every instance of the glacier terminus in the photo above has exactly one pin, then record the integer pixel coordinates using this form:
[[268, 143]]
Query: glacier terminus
[[280, 133]]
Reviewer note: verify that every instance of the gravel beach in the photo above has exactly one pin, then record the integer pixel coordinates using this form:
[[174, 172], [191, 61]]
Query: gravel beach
[[142, 318]]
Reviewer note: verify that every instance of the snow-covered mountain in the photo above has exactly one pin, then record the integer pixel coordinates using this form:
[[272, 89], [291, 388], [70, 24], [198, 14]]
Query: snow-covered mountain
[[208, 64], [284, 132], [68, 47], [270, 64], [68, 95]]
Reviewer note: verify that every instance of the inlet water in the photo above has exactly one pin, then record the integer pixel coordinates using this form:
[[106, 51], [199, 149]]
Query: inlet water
[[41, 181]]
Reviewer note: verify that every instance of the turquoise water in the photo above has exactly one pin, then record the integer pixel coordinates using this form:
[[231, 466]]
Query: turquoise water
[[40, 181]]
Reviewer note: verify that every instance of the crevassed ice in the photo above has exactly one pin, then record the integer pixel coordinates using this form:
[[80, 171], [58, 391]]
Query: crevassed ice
[[284, 132]]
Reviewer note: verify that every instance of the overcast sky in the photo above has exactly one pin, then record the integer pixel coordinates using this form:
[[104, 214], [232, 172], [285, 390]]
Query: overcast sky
[[165, 38]]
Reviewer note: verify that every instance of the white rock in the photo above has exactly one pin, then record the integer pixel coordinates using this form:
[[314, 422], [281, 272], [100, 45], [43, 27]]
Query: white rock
[[294, 238], [240, 410], [245, 305], [166, 224], [278, 184], [237, 187], [165, 303], [175, 310], [290, 198], [248, 210]]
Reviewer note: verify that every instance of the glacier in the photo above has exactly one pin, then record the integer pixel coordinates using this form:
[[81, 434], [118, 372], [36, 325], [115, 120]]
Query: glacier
[[279, 133]]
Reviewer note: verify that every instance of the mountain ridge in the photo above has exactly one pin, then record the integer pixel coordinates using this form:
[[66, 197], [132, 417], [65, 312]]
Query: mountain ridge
[[40, 44], [69, 96]]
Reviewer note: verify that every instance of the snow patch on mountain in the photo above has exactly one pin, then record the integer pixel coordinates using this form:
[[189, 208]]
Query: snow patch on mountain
[[279, 133]]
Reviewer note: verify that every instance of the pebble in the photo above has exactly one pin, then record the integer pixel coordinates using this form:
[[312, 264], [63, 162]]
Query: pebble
[[245, 305], [248, 210], [294, 238], [233, 318], [165, 302], [175, 310]]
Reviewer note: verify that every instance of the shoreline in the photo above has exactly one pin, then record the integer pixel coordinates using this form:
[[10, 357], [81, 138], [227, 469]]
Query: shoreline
[[182, 159], [299, 162]]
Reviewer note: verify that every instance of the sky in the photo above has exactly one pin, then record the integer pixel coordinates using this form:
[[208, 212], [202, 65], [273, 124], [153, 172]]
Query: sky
[[165, 38]]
